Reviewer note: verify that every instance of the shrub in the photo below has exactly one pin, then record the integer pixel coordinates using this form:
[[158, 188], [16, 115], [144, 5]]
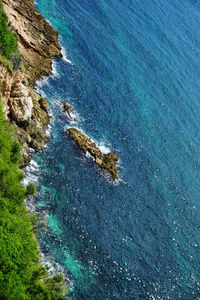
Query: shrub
[[8, 40], [30, 189], [21, 274]]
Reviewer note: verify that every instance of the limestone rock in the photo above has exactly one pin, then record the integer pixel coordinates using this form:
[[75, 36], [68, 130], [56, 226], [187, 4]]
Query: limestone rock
[[24, 107], [24, 139], [38, 41], [38, 136], [105, 161], [40, 108], [21, 109]]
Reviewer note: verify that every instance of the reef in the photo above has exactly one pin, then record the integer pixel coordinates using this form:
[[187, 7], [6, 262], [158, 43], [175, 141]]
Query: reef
[[22, 105], [105, 161]]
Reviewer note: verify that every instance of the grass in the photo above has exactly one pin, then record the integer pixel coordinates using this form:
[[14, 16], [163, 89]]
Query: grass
[[7, 63]]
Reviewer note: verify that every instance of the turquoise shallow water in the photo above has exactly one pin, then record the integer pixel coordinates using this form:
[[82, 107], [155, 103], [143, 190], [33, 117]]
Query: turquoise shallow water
[[132, 73]]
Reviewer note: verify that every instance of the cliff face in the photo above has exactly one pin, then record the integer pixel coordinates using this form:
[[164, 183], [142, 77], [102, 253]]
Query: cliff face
[[38, 41], [27, 110]]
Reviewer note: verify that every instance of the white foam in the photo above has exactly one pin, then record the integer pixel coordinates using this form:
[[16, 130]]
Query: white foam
[[104, 149], [48, 130], [74, 116], [53, 266], [64, 56], [39, 85], [31, 172], [54, 72], [90, 156]]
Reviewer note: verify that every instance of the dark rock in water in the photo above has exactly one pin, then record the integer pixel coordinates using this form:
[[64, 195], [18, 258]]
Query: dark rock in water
[[44, 104], [67, 108], [105, 161]]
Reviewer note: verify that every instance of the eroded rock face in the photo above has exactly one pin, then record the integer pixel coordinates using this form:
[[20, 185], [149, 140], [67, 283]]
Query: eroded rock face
[[21, 109], [26, 109], [38, 41], [20, 102], [105, 161]]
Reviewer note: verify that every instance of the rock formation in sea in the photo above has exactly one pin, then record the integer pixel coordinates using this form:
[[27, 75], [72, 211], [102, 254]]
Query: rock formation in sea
[[105, 161], [68, 109], [37, 43]]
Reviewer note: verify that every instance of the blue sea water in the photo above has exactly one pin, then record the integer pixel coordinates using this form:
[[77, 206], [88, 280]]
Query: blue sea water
[[131, 70]]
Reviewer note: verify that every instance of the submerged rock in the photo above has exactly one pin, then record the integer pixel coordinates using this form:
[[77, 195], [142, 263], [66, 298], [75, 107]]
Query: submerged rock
[[105, 161]]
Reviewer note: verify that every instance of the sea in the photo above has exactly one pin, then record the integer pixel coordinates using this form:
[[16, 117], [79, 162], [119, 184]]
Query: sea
[[131, 72]]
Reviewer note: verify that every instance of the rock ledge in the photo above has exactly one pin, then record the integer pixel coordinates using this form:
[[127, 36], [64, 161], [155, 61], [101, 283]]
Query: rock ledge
[[105, 161]]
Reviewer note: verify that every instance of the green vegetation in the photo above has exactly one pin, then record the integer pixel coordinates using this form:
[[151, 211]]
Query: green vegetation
[[22, 68], [22, 277], [21, 274], [9, 52], [8, 40], [6, 62]]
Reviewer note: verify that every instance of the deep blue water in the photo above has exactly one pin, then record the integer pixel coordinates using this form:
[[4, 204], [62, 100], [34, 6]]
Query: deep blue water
[[134, 82]]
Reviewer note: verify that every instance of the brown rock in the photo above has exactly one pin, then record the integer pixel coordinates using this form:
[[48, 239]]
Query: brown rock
[[67, 108], [44, 104], [24, 139], [26, 109], [38, 136], [38, 41], [105, 161]]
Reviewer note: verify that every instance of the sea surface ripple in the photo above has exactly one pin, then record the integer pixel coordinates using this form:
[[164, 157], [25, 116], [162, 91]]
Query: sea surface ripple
[[131, 70]]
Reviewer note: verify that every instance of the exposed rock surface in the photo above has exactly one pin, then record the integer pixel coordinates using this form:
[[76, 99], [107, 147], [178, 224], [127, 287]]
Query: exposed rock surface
[[38, 41], [105, 161], [26, 109], [67, 108]]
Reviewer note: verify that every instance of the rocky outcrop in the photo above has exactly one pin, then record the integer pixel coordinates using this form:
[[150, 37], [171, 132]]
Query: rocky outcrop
[[105, 161], [26, 109], [38, 41], [20, 103], [68, 109]]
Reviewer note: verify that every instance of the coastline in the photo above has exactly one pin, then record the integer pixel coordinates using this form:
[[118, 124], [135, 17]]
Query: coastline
[[24, 108]]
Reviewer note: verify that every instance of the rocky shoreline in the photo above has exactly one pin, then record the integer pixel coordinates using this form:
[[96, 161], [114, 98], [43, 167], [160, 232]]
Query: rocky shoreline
[[105, 161], [38, 40], [22, 105], [68, 109]]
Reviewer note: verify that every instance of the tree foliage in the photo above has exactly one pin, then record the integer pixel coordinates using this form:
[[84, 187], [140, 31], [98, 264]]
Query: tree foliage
[[21, 274], [8, 40]]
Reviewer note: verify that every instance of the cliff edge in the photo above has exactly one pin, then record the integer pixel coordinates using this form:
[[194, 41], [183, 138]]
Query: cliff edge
[[37, 43]]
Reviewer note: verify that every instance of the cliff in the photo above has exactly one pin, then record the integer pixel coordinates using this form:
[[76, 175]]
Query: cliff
[[37, 43]]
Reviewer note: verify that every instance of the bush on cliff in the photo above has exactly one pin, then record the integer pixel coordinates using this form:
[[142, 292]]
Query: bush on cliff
[[21, 274], [8, 40]]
